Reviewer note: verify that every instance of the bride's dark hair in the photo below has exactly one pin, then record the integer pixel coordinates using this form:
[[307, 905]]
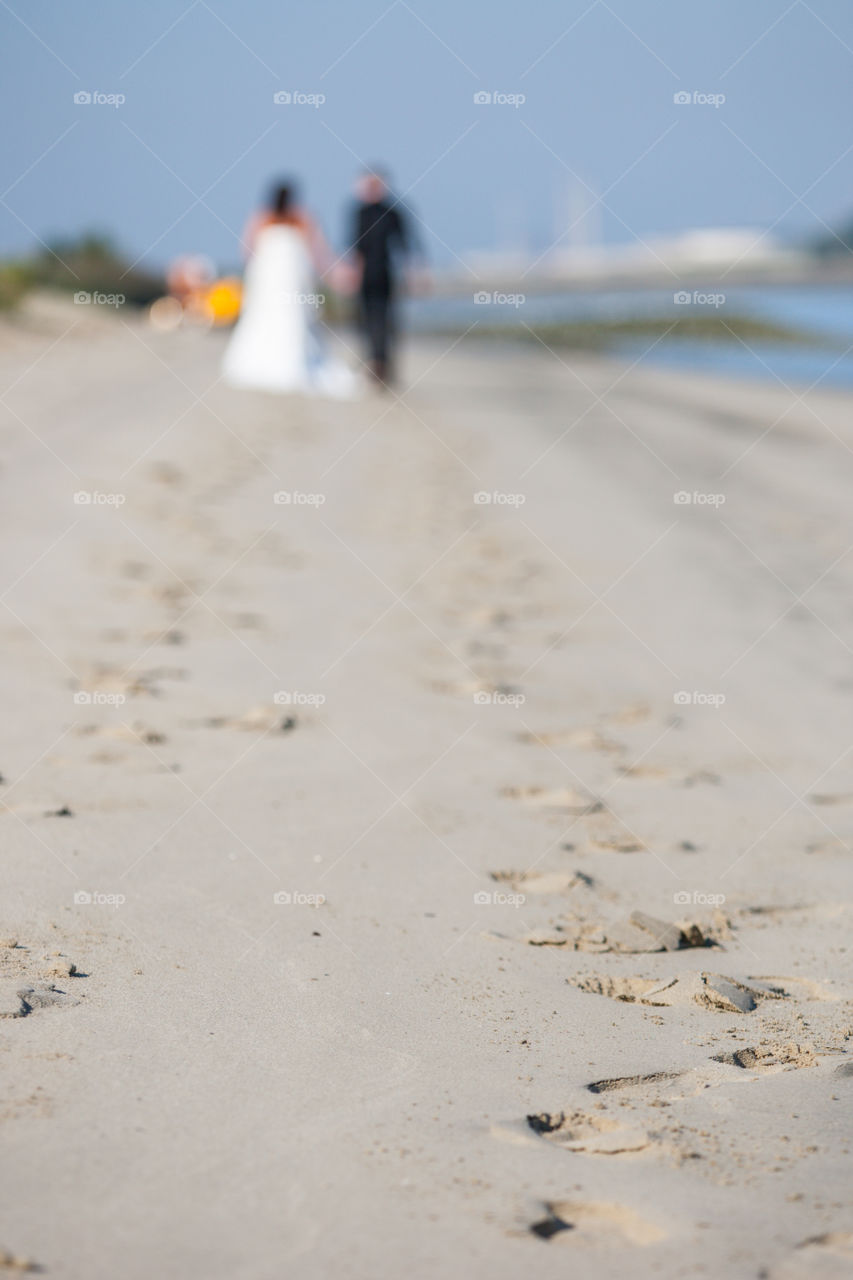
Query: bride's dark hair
[[281, 199]]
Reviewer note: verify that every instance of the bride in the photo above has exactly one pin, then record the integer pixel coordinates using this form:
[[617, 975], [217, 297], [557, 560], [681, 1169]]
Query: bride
[[276, 345]]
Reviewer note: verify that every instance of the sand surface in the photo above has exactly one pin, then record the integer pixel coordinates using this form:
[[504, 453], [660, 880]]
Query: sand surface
[[381, 908]]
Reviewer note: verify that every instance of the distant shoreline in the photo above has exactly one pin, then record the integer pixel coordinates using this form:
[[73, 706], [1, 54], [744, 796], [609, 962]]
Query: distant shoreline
[[814, 273]]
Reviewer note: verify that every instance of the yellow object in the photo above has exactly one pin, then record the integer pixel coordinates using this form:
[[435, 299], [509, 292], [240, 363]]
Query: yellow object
[[222, 300]]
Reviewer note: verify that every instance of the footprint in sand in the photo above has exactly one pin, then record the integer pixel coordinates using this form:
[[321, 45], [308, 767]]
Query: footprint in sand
[[832, 845], [824, 1257], [543, 882], [135, 569], [708, 990], [588, 1133], [702, 777], [767, 1055], [137, 732], [106, 679], [800, 988], [605, 831], [263, 719], [844, 797], [166, 473], [175, 595], [26, 1000], [247, 622], [561, 799], [16, 1262], [640, 934], [480, 690], [587, 739], [644, 772], [26, 984], [595, 1223], [659, 773], [650, 1084], [159, 636], [760, 916], [634, 713], [726, 1068]]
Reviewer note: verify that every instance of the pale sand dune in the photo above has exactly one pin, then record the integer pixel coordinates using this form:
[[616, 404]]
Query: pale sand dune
[[205, 1081]]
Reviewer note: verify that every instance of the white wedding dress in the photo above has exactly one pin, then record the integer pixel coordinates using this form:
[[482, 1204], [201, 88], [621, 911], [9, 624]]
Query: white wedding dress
[[276, 345]]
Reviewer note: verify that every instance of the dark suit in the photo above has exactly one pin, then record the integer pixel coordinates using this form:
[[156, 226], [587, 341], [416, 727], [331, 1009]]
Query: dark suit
[[379, 238]]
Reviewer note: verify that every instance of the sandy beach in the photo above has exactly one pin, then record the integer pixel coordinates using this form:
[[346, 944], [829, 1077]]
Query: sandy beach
[[427, 820]]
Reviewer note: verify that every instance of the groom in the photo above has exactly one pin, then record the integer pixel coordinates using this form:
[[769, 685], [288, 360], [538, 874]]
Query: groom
[[379, 238]]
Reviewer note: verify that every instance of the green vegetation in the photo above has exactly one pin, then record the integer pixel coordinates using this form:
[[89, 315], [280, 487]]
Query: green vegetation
[[15, 280], [90, 262], [600, 335]]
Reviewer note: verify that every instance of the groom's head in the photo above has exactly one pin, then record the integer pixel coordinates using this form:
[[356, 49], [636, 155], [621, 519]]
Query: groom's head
[[372, 186]]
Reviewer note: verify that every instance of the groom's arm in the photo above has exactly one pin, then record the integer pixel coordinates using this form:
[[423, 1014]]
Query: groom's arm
[[410, 244], [354, 234], [409, 238]]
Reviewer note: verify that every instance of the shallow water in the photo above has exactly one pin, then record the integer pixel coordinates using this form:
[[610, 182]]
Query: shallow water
[[824, 311]]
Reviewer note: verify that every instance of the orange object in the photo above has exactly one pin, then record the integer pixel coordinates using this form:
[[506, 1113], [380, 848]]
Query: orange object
[[223, 300]]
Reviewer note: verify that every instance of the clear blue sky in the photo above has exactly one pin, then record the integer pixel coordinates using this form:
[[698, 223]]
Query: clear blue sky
[[399, 80]]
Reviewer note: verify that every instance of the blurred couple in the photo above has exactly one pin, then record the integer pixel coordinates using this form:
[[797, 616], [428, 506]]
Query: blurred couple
[[276, 345]]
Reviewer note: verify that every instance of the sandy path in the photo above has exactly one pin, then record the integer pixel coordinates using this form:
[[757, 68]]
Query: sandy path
[[244, 1088]]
